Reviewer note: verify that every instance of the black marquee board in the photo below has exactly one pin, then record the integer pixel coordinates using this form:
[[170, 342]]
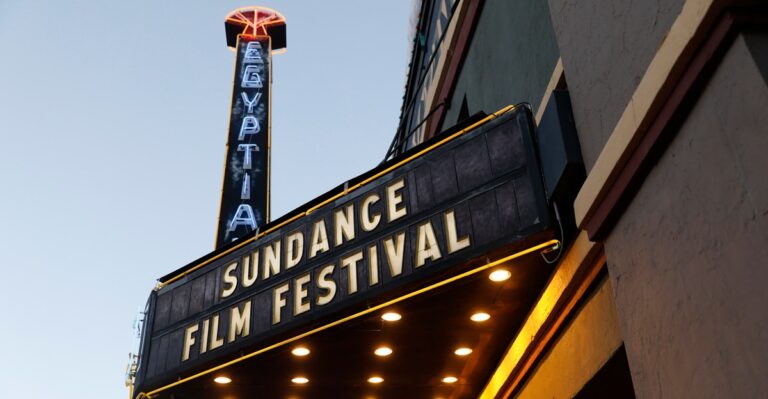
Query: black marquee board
[[245, 190], [484, 187]]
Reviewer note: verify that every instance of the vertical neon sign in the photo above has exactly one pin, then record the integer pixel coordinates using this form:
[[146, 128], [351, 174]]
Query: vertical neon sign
[[245, 190]]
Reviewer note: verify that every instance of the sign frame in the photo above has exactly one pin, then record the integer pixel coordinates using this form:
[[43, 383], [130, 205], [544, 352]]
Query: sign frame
[[242, 161]]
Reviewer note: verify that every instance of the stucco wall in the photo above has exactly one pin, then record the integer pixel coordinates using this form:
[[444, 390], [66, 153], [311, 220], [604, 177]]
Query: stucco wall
[[687, 259], [510, 59], [585, 345], [606, 47]]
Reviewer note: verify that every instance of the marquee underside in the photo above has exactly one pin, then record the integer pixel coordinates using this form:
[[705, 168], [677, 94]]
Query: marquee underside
[[433, 325]]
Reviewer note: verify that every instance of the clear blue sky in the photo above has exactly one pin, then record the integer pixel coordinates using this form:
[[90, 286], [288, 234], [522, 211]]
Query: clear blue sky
[[113, 120]]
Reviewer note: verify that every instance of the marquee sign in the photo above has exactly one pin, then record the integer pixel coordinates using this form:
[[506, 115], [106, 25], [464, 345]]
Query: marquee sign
[[245, 190], [418, 218]]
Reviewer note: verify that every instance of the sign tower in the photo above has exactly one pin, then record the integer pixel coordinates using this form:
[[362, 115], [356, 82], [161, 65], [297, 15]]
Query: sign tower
[[255, 33]]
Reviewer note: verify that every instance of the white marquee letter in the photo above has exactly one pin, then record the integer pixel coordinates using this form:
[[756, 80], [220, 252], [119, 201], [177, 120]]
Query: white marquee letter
[[230, 281], [327, 284], [369, 221], [373, 265], [271, 259], [294, 249], [394, 198], [215, 340], [454, 243], [239, 322], [250, 269], [300, 293], [350, 262], [319, 239], [394, 249], [189, 340], [278, 302], [426, 244], [344, 225], [204, 336]]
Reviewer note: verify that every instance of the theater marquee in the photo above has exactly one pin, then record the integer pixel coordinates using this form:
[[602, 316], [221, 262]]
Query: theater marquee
[[441, 209]]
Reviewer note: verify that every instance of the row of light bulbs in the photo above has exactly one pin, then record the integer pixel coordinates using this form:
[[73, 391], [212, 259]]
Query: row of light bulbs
[[373, 380], [497, 275]]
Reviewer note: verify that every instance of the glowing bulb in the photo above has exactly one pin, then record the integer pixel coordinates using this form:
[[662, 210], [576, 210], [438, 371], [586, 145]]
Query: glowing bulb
[[222, 380], [300, 351], [481, 316], [299, 380], [500, 275], [450, 379], [391, 316], [462, 351], [383, 351], [375, 380]]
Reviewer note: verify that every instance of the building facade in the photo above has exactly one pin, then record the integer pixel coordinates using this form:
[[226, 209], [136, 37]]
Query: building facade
[[658, 292]]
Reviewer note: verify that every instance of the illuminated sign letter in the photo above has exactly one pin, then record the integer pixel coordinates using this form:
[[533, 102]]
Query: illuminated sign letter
[[250, 126], [253, 53], [245, 193], [247, 159], [243, 217], [250, 102], [251, 78]]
